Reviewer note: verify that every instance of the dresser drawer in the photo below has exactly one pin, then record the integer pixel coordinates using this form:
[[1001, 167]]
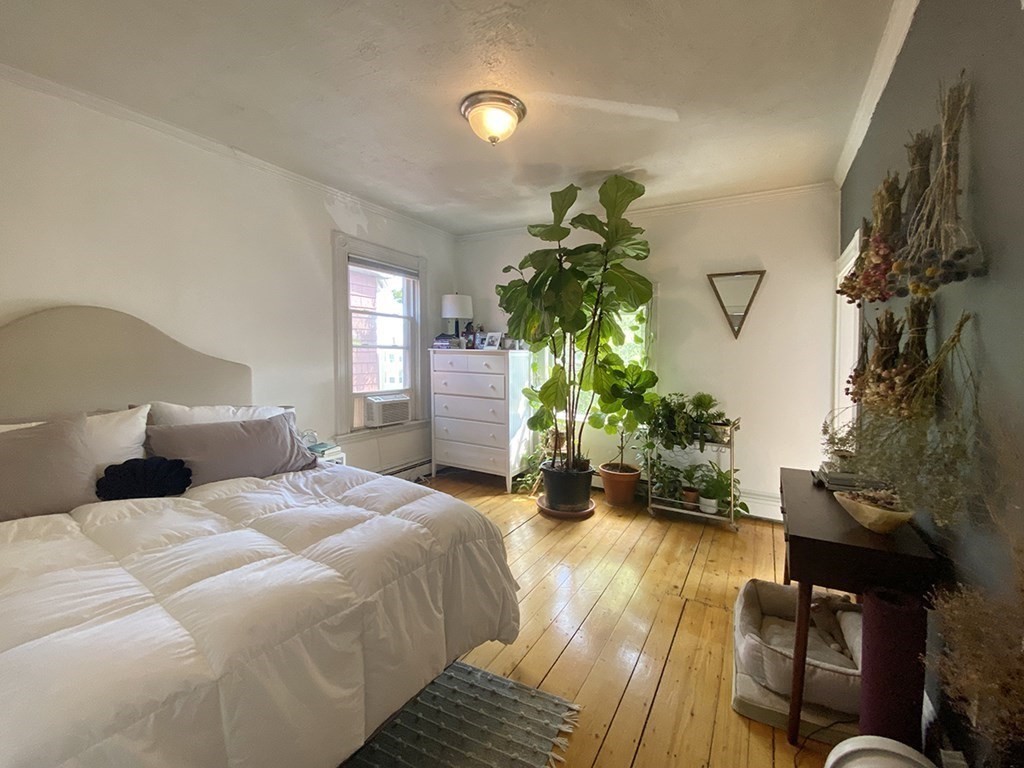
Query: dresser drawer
[[454, 454], [475, 432], [471, 384], [470, 408], [486, 363], [451, 362]]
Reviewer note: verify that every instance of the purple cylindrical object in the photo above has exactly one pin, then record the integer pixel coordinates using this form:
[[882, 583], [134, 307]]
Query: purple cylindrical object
[[895, 628]]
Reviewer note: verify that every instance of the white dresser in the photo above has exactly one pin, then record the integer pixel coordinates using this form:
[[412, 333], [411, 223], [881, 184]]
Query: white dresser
[[479, 410]]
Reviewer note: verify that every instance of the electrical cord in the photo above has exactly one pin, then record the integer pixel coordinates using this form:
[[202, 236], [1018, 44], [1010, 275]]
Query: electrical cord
[[819, 729]]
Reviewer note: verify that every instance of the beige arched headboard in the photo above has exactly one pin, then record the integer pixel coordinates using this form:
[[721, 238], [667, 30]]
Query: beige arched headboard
[[77, 358]]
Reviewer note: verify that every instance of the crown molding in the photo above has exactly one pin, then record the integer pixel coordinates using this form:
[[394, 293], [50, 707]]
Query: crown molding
[[670, 208], [901, 16], [114, 109]]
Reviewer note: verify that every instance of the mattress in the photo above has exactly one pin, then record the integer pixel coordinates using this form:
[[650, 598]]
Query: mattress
[[249, 622]]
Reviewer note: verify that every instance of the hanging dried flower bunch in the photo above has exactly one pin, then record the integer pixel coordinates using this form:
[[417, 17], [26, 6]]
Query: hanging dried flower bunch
[[868, 280], [850, 286], [896, 436], [873, 382], [939, 249], [902, 381]]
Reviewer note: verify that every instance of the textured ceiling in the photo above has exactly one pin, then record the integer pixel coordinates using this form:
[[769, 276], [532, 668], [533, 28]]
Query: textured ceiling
[[697, 99]]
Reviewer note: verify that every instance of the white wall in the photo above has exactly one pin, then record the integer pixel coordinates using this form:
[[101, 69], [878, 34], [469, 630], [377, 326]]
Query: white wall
[[778, 375], [222, 252]]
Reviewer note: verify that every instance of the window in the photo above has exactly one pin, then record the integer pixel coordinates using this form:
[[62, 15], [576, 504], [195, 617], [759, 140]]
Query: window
[[377, 308], [848, 320]]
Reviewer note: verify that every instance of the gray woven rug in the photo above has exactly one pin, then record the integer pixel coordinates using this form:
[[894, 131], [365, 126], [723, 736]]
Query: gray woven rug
[[469, 718]]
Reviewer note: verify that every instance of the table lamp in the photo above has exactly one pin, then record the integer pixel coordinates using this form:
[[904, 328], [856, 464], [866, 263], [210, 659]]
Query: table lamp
[[456, 306]]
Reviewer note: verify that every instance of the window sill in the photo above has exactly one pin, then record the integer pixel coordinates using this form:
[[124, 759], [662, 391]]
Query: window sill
[[372, 433]]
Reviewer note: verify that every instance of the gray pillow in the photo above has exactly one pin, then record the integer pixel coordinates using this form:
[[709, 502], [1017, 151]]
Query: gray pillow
[[45, 469], [222, 450]]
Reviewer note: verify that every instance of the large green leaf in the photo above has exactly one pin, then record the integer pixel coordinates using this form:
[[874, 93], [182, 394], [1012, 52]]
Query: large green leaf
[[616, 194], [630, 248], [632, 288], [575, 322], [621, 229], [568, 288], [554, 393], [589, 222], [561, 202], [551, 233], [539, 260], [541, 421], [590, 260]]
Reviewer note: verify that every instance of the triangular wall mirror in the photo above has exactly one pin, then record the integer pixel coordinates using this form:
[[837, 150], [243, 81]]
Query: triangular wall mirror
[[735, 292]]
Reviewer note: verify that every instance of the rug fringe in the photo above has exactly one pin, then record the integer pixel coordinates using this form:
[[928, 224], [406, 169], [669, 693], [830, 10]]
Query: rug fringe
[[570, 720], [554, 760]]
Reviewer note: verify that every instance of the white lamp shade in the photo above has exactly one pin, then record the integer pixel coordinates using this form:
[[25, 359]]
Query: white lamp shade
[[456, 306]]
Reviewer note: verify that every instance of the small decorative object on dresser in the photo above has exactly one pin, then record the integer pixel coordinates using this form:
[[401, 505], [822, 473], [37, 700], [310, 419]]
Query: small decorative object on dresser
[[493, 340], [480, 412]]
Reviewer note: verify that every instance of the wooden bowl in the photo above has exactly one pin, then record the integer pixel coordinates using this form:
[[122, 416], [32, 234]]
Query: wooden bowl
[[877, 519]]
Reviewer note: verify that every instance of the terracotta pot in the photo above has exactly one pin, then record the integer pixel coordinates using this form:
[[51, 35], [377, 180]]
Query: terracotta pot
[[691, 498], [619, 483]]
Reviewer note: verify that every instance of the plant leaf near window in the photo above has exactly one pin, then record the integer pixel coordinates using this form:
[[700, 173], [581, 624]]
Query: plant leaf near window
[[570, 302]]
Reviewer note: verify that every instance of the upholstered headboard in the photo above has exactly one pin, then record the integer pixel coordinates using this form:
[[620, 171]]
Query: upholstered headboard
[[77, 358]]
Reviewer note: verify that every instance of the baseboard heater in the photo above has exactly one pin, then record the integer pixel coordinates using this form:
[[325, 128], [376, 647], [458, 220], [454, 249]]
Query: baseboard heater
[[412, 471]]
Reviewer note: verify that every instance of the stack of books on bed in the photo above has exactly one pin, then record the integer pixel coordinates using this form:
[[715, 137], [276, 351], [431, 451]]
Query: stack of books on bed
[[327, 450]]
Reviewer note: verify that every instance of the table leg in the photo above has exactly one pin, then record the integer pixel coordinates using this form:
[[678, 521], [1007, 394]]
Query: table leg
[[796, 695]]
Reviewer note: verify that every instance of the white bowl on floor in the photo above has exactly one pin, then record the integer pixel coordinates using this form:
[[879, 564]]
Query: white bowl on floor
[[875, 752]]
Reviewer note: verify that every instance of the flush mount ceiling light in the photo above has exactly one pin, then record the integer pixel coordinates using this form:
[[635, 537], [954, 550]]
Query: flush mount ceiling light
[[493, 115]]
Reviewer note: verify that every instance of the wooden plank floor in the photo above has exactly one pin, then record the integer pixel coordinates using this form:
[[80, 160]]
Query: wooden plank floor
[[631, 617]]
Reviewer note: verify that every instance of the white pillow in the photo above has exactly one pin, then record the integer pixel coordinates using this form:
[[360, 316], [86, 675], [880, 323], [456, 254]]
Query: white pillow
[[111, 438], [170, 414]]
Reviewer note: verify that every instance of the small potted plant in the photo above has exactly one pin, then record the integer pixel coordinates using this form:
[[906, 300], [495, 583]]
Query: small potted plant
[[718, 489], [626, 404], [692, 478], [704, 417]]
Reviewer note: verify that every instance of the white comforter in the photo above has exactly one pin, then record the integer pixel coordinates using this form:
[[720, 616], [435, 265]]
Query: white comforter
[[249, 623]]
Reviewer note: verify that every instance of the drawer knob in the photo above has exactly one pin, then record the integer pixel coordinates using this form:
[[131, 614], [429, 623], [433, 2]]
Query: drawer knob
[[451, 362], [446, 407], [491, 386], [491, 410]]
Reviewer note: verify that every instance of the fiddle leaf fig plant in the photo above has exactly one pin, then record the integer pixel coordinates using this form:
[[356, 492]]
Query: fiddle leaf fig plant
[[569, 301]]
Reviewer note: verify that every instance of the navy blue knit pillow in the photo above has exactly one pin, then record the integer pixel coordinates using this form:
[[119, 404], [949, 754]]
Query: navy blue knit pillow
[[144, 478]]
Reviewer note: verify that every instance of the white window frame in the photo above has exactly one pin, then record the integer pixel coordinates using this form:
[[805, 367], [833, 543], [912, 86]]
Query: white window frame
[[846, 315], [343, 248]]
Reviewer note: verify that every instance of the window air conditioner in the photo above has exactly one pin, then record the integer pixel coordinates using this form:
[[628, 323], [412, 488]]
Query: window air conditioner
[[382, 410]]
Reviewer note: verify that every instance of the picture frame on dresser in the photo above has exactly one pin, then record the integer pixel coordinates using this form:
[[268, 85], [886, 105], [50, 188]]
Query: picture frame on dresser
[[493, 340], [479, 412]]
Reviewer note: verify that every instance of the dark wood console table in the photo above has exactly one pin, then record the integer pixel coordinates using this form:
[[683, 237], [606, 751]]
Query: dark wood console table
[[828, 548]]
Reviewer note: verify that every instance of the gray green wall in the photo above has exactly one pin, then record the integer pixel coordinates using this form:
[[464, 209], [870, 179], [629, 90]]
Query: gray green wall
[[985, 37]]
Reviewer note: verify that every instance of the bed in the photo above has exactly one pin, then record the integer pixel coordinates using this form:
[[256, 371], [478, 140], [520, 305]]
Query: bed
[[250, 621]]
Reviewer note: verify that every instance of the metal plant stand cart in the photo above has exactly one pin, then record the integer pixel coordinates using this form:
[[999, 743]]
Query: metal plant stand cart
[[657, 504]]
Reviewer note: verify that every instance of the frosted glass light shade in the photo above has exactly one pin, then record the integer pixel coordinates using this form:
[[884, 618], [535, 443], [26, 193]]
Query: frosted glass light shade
[[493, 115], [456, 306]]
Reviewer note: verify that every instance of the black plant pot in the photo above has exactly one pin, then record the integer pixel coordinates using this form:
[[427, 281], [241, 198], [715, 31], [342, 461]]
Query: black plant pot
[[566, 491]]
